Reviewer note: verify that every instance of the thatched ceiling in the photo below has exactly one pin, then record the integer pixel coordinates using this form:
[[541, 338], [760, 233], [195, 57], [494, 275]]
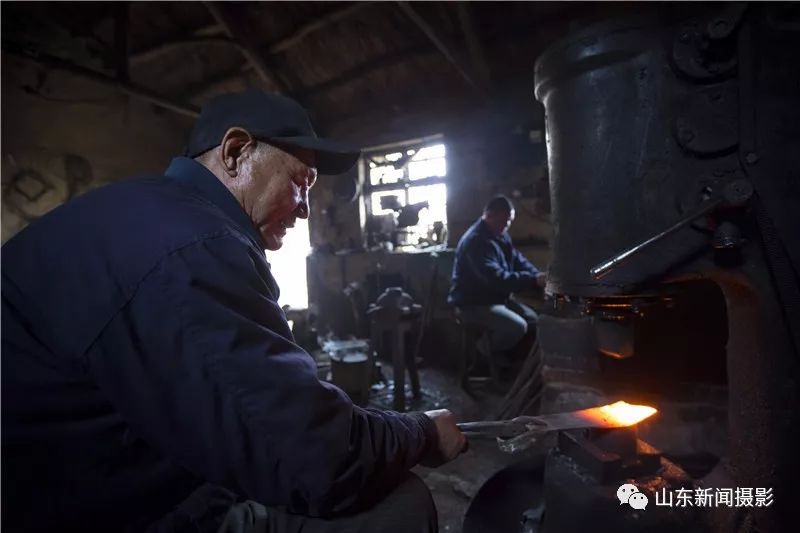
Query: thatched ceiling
[[340, 59]]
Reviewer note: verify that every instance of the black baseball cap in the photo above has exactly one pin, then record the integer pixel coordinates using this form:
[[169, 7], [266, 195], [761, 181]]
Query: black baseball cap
[[271, 118]]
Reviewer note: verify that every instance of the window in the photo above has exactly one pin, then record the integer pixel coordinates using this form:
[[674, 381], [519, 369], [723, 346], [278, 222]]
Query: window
[[405, 195]]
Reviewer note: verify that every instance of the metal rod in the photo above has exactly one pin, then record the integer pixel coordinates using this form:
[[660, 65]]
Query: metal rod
[[600, 270]]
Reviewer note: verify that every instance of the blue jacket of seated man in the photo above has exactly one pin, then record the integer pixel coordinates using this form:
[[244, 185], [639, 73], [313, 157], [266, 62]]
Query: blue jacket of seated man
[[487, 268], [144, 354]]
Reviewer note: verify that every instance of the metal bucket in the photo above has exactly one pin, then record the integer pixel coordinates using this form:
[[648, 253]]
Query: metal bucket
[[352, 372]]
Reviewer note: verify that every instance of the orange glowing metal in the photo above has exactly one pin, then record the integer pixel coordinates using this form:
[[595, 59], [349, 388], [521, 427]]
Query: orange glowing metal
[[518, 434], [618, 414]]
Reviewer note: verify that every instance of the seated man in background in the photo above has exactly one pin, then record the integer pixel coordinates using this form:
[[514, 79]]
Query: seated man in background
[[486, 271]]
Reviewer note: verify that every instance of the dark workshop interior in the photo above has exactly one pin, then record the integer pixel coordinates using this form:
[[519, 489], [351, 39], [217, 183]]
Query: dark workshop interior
[[650, 150]]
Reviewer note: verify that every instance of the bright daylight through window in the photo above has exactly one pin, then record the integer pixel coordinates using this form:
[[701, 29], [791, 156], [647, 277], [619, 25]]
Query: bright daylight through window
[[288, 266], [406, 196]]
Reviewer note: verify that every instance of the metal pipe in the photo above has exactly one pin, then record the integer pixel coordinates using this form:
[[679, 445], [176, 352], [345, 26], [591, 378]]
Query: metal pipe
[[600, 270]]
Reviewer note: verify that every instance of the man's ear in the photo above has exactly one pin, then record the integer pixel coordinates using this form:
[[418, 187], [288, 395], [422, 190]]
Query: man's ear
[[235, 143]]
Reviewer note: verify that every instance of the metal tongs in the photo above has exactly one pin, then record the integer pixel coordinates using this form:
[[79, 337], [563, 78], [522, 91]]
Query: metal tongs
[[520, 433], [512, 435]]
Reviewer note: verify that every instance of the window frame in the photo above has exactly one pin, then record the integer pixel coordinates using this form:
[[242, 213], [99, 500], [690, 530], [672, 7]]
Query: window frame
[[404, 184]]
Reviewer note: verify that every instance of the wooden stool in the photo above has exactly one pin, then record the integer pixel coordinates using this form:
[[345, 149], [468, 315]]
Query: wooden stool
[[470, 334]]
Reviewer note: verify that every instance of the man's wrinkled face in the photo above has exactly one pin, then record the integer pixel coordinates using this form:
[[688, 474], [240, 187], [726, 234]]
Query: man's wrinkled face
[[498, 221], [280, 179]]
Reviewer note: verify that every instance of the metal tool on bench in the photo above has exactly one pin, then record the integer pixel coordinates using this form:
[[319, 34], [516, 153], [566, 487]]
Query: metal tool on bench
[[519, 433]]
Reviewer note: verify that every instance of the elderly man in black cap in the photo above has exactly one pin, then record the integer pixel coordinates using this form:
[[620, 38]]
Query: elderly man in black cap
[[149, 378]]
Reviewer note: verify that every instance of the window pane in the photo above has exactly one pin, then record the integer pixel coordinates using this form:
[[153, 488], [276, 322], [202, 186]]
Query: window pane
[[418, 170], [419, 163], [436, 196], [430, 152], [384, 174]]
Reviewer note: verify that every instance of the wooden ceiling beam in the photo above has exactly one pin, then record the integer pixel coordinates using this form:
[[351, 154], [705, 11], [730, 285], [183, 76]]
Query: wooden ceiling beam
[[128, 88], [156, 51], [315, 25], [391, 59], [476, 49], [209, 35], [238, 31], [365, 68], [428, 30]]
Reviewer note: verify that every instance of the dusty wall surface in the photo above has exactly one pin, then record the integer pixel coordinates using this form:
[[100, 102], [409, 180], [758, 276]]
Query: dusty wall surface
[[62, 135]]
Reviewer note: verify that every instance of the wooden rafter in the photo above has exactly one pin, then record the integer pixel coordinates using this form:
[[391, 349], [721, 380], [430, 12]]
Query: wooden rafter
[[474, 44], [128, 88], [315, 25], [158, 50], [367, 67], [239, 32], [428, 30], [210, 35]]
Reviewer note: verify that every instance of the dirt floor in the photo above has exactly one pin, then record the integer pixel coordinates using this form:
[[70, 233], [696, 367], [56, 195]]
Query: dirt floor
[[454, 485]]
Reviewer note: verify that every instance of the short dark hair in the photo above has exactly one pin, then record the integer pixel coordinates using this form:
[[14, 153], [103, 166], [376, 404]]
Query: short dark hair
[[499, 204]]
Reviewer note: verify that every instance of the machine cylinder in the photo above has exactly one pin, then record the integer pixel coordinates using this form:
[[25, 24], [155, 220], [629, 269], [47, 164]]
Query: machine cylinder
[[618, 173]]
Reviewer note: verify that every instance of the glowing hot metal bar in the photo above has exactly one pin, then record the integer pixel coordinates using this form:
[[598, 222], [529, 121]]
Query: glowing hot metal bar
[[619, 414], [519, 433]]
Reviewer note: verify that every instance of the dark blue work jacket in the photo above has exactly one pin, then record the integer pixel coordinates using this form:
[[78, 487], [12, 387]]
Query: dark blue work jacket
[[144, 353], [487, 268]]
